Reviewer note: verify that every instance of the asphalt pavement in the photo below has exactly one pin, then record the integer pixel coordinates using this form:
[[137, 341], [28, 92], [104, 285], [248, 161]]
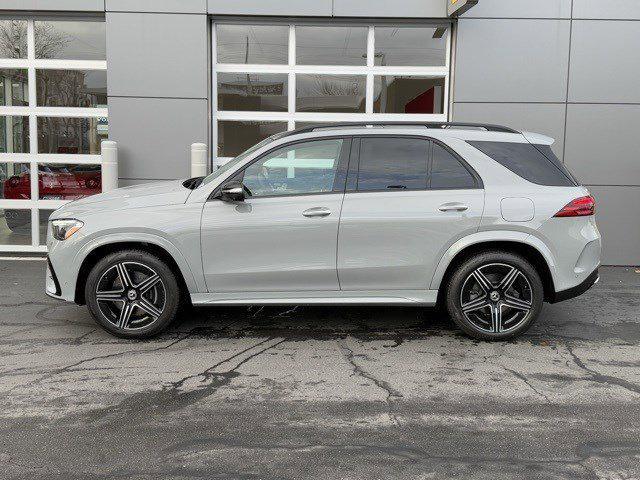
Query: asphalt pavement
[[319, 392]]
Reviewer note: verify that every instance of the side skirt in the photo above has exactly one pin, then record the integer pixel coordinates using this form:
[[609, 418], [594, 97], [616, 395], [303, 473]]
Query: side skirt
[[385, 297]]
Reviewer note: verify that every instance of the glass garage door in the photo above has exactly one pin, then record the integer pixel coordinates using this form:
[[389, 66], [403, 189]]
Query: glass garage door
[[271, 77], [53, 116]]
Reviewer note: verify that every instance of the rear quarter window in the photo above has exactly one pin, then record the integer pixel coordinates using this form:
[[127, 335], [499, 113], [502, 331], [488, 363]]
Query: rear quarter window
[[528, 162]]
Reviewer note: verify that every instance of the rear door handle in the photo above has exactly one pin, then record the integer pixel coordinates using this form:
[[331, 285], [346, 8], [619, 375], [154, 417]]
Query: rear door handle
[[453, 207], [317, 212]]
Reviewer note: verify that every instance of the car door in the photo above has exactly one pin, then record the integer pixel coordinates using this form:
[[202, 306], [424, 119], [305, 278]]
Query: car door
[[282, 237], [406, 202]]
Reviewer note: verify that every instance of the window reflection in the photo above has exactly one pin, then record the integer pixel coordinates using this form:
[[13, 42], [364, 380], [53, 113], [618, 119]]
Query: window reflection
[[71, 135], [252, 43], [68, 182], [14, 87], [408, 94], [304, 168], [330, 93], [252, 91], [414, 46], [71, 88], [236, 137], [71, 40], [331, 45], [13, 39], [15, 226], [14, 134], [15, 182]]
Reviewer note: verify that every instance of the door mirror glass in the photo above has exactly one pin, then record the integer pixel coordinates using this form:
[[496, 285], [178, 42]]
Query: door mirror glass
[[232, 192]]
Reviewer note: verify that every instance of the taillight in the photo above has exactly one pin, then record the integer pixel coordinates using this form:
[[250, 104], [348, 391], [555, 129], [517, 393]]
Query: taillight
[[580, 207]]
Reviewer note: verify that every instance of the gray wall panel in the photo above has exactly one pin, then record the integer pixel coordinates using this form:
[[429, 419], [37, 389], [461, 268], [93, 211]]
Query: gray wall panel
[[547, 119], [600, 9], [521, 9], [605, 65], [602, 144], [51, 5], [163, 6], [157, 55], [385, 8], [511, 60], [278, 7], [154, 135], [620, 232]]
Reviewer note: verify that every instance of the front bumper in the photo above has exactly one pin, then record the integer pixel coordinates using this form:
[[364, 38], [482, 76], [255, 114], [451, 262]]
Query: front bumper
[[579, 289]]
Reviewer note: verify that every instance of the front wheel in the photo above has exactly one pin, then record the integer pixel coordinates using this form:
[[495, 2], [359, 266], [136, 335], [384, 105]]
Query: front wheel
[[494, 295], [132, 294]]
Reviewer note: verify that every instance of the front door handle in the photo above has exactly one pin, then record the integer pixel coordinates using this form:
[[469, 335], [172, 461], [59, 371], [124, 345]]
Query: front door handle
[[317, 212], [453, 207]]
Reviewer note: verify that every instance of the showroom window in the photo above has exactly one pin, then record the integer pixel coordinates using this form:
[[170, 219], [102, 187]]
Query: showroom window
[[53, 116], [272, 77]]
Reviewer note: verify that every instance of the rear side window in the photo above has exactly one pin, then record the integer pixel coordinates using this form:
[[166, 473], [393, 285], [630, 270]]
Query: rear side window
[[527, 161], [393, 164], [447, 172]]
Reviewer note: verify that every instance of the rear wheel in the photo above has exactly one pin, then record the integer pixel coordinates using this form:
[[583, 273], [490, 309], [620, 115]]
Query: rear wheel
[[494, 295], [132, 294]]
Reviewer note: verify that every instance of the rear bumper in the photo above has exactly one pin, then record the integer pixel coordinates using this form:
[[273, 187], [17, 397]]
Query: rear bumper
[[579, 289]]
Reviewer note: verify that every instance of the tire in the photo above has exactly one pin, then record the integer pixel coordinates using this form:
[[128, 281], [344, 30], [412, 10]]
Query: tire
[[494, 295], [140, 307]]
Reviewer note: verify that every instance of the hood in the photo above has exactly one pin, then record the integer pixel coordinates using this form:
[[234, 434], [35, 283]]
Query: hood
[[170, 192]]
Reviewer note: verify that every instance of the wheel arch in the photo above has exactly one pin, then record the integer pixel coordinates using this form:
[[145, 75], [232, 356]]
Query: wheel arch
[[538, 255], [93, 255]]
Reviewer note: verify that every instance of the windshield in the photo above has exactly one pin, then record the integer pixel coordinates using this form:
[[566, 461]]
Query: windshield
[[233, 162]]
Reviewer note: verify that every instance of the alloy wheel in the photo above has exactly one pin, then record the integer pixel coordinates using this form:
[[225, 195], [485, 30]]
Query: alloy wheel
[[131, 295], [496, 298]]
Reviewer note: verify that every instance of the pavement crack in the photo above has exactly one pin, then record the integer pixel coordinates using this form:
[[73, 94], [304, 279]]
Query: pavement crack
[[600, 378], [72, 366], [206, 373], [527, 383], [392, 393]]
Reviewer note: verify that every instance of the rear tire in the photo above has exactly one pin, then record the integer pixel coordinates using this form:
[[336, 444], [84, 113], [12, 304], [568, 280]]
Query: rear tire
[[132, 294], [494, 295]]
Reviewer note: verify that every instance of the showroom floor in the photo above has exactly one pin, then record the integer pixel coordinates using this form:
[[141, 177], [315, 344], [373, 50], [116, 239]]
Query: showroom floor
[[349, 393]]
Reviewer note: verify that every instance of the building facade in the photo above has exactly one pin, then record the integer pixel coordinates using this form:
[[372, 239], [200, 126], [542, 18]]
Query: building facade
[[158, 75]]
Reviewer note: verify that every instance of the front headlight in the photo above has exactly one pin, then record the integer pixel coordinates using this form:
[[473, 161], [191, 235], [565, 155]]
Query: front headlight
[[64, 228]]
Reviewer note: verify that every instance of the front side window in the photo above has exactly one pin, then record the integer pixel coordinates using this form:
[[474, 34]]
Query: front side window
[[447, 172], [302, 168], [393, 164]]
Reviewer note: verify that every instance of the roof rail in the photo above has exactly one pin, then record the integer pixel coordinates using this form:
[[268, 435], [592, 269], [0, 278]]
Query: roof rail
[[442, 125]]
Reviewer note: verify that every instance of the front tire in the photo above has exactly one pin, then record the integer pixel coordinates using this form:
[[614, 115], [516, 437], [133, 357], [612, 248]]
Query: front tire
[[132, 294], [494, 295]]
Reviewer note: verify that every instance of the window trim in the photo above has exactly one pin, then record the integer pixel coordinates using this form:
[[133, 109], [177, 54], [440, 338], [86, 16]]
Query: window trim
[[479, 184], [341, 170], [293, 116], [34, 158], [352, 185]]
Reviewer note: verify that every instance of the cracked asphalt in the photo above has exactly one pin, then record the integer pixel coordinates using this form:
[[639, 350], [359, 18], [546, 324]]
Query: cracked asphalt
[[331, 393]]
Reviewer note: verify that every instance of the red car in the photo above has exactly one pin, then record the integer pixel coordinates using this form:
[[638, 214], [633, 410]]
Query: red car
[[55, 182]]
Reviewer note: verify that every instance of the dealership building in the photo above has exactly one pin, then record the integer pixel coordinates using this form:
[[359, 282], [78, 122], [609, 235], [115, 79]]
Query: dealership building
[[156, 76]]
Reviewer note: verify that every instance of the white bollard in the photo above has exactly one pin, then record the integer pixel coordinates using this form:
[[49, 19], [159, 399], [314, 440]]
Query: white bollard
[[198, 160], [109, 165]]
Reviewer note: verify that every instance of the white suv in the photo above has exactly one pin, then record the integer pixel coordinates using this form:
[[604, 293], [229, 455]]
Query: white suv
[[481, 219]]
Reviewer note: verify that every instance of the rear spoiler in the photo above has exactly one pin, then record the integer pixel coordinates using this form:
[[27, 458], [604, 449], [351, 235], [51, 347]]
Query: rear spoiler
[[537, 138]]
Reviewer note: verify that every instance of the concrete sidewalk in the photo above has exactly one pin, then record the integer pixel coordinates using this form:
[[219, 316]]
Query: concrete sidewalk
[[319, 392]]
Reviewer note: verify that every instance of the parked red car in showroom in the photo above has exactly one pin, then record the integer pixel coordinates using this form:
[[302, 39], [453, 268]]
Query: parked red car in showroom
[[55, 182]]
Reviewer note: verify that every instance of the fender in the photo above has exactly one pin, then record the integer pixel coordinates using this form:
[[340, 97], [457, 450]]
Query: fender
[[492, 236], [141, 236]]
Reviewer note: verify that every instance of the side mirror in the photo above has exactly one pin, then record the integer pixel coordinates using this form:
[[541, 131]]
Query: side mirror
[[232, 192]]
